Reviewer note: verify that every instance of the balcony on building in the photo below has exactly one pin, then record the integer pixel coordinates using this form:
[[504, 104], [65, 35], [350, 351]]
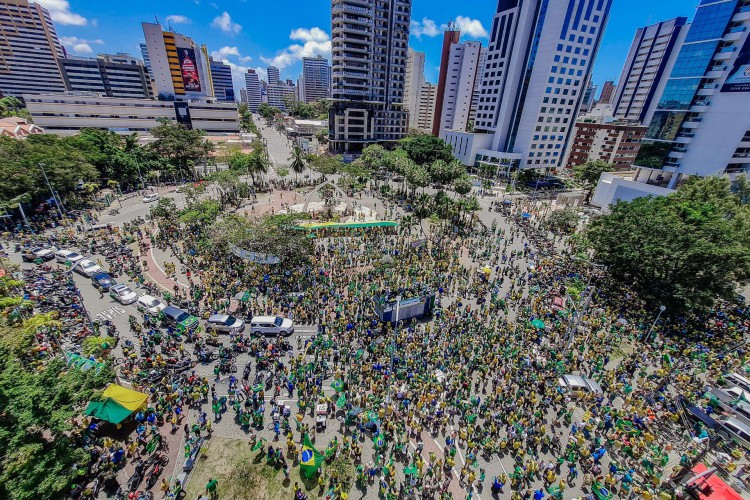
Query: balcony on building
[[742, 15]]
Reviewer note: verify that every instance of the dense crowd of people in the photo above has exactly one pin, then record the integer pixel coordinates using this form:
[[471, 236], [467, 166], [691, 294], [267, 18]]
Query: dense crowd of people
[[451, 398]]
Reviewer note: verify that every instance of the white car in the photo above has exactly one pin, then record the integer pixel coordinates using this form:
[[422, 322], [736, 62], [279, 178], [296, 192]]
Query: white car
[[150, 197], [122, 294], [149, 304], [64, 256], [88, 267]]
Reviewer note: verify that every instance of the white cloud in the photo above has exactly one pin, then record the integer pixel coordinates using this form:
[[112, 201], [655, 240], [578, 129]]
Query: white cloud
[[224, 23], [427, 28], [61, 14], [311, 35], [317, 42], [471, 27], [79, 46], [178, 19], [466, 25]]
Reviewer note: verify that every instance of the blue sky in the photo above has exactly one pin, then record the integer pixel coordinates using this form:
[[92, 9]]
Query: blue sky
[[255, 33]]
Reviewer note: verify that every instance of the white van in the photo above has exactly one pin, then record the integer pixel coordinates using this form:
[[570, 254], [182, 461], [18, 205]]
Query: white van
[[573, 383], [735, 379], [733, 430], [271, 326]]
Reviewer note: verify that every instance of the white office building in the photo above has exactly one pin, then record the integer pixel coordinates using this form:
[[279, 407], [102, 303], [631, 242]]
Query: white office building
[[369, 49], [426, 108], [647, 67], [413, 82], [539, 59], [315, 83], [462, 78], [29, 50], [252, 90], [67, 113]]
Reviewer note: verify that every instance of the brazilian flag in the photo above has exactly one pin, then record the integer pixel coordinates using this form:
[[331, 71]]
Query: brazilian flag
[[310, 459], [378, 441]]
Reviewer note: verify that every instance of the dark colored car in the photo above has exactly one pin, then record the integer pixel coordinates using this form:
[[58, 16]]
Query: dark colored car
[[102, 281]]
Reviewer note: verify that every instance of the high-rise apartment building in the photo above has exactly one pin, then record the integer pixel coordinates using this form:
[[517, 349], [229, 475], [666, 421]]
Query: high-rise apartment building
[[413, 82], [221, 78], [450, 36], [426, 109], [29, 50], [315, 83], [539, 60], [612, 142], [463, 72], [369, 48], [280, 94], [179, 67], [252, 90], [243, 95], [111, 75], [647, 68], [273, 75], [608, 91]]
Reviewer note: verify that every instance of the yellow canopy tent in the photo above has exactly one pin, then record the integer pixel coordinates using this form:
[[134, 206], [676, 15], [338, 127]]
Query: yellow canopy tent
[[117, 404]]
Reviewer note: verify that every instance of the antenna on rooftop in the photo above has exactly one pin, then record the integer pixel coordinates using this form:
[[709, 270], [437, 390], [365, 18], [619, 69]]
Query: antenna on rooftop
[[451, 26], [156, 19]]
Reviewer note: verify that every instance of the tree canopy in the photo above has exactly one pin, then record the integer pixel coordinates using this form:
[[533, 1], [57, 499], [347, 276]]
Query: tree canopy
[[588, 174], [425, 149], [684, 251]]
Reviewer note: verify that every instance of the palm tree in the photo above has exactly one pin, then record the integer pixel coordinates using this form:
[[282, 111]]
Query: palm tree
[[257, 164], [298, 164], [407, 223], [131, 141], [90, 188]]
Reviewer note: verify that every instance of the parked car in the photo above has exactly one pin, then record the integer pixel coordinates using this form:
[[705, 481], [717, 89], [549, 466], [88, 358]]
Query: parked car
[[88, 267], [122, 294], [150, 197], [149, 304], [64, 256], [271, 326], [175, 317], [31, 254], [225, 323], [102, 281]]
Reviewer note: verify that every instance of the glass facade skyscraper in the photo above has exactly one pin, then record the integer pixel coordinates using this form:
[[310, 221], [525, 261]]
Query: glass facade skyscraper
[[680, 102]]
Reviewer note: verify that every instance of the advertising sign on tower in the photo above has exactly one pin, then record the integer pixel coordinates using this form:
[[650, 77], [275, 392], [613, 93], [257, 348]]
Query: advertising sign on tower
[[189, 70], [739, 77]]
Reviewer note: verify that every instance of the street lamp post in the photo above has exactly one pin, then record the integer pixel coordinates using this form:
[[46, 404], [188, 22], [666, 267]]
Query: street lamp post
[[650, 330], [52, 191], [69, 272]]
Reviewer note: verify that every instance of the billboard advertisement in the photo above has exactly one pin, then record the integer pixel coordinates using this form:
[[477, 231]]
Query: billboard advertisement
[[189, 70], [739, 77]]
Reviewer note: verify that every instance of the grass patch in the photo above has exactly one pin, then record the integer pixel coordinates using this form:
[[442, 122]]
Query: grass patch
[[244, 475]]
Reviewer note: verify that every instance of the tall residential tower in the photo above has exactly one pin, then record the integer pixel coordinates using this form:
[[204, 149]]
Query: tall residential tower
[[647, 68], [29, 50], [315, 83], [369, 49], [413, 85]]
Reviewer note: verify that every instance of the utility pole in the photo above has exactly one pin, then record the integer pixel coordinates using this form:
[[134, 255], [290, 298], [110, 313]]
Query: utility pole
[[52, 191], [393, 348], [138, 167]]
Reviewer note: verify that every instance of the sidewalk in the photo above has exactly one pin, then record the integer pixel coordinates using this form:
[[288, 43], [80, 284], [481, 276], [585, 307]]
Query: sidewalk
[[156, 273]]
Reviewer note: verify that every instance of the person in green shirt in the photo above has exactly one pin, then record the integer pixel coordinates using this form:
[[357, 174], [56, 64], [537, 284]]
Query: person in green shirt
[[211, 487]]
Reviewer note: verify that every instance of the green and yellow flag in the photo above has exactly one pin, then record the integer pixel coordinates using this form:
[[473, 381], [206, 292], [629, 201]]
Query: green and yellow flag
[[310, 459]]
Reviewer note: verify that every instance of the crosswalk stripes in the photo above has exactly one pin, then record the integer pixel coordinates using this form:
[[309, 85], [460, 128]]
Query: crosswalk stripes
[[110, 313]]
